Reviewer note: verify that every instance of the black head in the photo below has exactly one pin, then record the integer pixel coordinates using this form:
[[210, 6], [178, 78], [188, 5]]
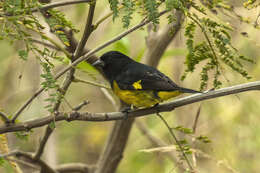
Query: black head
[[113, 63]]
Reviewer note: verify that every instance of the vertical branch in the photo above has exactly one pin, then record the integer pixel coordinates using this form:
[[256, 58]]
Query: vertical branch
[[115, 145], [88, 30], [69, 78]]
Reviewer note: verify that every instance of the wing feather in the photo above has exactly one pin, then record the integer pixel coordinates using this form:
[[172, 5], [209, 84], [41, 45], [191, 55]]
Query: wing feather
[[148, 77]]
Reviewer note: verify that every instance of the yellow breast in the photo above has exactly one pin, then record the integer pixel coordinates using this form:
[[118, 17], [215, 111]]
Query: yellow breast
[[143, 98]]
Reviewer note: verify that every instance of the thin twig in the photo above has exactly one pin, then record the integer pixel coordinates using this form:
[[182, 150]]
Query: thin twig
[[49, 6], [91, 83], [84, 57], [176, 140], [22, 162], [59, 4], [27, 103], [86, 116], [81, 105], [101, 20], [87, 31], [46, 44], [196, 119], [75, 167], [4, 117]]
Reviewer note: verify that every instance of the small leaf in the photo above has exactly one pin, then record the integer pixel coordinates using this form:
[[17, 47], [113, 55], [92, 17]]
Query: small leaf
[[52, 125], [22, 135], [23, 54], [2, 161], [203, 139]]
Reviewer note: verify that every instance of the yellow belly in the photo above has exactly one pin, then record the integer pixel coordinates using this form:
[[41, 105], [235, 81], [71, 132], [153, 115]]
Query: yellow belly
[[143, 98]]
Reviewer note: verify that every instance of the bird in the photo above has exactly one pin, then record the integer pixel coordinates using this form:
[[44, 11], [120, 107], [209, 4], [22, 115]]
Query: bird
[[137, 84]]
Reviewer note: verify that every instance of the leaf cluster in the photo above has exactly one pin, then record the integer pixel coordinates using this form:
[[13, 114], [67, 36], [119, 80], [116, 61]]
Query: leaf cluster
[[58, 23], [18, 23], [50, 84], [215, 49]]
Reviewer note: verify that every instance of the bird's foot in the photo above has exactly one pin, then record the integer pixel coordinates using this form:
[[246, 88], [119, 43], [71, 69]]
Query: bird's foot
[[126, 110], [156, 107]]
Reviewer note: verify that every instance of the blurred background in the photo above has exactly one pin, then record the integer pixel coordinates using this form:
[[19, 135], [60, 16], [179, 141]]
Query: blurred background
[[231, 122]]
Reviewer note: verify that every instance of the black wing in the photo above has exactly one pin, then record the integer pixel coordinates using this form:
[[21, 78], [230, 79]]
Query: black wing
[[149, 78]]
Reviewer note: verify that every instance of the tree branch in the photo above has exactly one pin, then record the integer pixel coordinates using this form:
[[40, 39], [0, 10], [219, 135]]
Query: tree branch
[[45, 168], [75, 167], [115, 145], [59, 4], [87, 31], [4, 118], [46, 44], [86, 116], [49, 6], [47, 134], [81, 105]]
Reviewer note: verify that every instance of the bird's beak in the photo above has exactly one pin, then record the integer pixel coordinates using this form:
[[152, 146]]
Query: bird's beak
[[99, 63]]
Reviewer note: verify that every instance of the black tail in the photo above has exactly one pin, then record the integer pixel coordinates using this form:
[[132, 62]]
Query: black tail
[[186, 90]]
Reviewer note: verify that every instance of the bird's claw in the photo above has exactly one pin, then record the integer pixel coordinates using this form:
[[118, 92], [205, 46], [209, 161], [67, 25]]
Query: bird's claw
[[126, 110]]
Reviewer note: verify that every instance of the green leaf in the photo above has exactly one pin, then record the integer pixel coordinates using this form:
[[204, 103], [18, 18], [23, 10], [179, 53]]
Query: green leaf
[[22, 135], [152, 10], [23, 54], [114, 7], [128, 9], [183, 129], [203, 139], [2, 161], [52, 125]]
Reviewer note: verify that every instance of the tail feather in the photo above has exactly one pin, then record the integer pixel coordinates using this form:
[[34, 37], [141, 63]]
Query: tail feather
[[186, 90]]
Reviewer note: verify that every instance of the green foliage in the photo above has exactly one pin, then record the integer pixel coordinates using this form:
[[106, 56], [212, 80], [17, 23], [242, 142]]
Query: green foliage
[[22, 135], [150, 7], [183, 130], [52, 125], [114, 7], [147, 8], [216, 49], [2, 161], [57, 22], [23, 54], [19, 24], [49, 84], [128, 9], [174, 4], [203, 139], [17, 7], [250, 4], [185, 147]]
